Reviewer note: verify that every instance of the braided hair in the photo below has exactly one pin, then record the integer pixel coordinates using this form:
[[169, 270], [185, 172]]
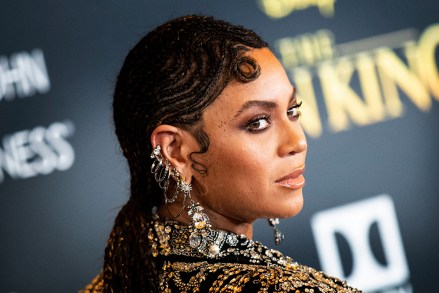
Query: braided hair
[[169, 77]]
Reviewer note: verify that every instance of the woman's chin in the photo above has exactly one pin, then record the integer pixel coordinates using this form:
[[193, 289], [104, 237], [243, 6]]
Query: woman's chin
[[290, 208]]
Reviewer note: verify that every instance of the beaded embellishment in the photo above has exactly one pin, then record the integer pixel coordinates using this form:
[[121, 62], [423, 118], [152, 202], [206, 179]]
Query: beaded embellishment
[[238, 264]]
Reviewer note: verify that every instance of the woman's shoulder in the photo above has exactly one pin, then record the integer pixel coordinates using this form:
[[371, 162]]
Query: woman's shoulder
[[184, 263], [237, 277], [244, 277], [238, 265]]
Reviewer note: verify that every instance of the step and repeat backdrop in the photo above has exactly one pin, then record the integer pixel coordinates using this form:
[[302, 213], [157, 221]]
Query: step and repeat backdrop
[[367, 71]]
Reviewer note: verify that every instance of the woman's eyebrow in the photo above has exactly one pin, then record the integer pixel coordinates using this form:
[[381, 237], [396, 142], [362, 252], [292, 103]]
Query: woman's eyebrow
[[262, 104], [256, 103]]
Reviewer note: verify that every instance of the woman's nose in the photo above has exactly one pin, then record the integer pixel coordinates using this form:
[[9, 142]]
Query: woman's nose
[[292, 139]]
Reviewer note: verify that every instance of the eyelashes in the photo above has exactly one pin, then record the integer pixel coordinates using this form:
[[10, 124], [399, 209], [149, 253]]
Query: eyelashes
[[294, 110], [258, 124], [262, 122]]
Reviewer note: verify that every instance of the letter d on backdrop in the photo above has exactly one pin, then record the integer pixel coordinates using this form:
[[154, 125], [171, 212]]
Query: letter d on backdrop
[[354, 221]]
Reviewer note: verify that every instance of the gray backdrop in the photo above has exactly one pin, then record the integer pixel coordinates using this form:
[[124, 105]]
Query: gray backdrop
[[367, 71]]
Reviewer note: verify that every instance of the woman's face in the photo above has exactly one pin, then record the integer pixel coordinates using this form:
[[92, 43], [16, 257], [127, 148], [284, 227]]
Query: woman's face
[[257, 148]]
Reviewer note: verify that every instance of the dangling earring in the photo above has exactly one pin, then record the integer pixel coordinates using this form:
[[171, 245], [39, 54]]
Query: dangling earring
[[278, 236], [162, 172], [199, 222], [199, 226]]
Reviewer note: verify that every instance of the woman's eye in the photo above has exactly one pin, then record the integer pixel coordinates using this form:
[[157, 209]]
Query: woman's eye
[[258, 124], [294, 111]]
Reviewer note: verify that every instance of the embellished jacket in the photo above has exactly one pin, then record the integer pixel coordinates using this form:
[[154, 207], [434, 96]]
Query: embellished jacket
[[225, 262]]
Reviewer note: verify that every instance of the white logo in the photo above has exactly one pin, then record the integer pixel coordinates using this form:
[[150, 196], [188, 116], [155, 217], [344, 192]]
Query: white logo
[[353, 221], [37, 151], [23, 75]]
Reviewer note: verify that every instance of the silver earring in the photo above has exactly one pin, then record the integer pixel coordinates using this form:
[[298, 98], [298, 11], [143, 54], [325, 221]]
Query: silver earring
[[199, 222], [278, 236], [162, 171], [201, 228]]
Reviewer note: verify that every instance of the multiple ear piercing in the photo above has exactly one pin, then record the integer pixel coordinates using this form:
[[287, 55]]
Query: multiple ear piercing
[[199, 221]]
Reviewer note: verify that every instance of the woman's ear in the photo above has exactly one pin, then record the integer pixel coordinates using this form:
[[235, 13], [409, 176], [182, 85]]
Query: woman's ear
[[176, 146]]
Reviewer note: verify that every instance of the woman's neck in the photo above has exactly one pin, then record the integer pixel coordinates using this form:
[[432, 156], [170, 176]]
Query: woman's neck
[[175, 212]]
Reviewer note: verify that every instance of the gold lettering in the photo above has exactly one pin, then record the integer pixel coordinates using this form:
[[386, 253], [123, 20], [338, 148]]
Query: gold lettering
[[326, 7], [326, 41], [274, 8], [411, 54], [342, 102], [288, 52], [370, 87], [428, 68], [306, 49], [393, 72], [382, 76], [283, 8]]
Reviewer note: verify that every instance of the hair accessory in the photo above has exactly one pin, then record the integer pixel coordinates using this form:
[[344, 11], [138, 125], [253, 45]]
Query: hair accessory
[[278, 236]]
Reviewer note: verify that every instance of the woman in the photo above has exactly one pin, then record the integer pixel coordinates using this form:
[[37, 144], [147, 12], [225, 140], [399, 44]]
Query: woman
[[208, 121]]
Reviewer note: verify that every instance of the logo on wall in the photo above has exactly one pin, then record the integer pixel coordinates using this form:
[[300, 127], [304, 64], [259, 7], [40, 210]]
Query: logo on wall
[[350, 227], [282, 8], [23, 75], [39, 150], [361, 82]]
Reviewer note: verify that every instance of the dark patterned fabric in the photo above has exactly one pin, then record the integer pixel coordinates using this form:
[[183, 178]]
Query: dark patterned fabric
[[240, 265]]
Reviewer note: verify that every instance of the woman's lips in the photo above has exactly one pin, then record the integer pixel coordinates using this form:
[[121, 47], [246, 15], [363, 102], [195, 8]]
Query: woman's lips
[[294, 180]]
